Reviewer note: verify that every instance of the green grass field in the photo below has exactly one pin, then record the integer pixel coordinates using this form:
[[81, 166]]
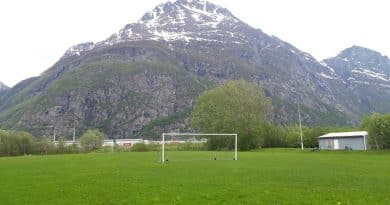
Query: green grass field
[[264, 177]]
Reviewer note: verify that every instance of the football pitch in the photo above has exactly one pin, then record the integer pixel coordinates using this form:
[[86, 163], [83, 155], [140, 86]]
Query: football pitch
[[271, 176]]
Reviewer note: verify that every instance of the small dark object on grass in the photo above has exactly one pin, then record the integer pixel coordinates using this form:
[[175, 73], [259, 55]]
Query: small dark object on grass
[[315, 149]]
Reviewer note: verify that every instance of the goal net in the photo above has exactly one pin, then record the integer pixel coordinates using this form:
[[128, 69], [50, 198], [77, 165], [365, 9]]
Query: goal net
[[198, 146]]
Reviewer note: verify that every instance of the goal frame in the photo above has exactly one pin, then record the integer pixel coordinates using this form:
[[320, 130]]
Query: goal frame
[[196, 134]]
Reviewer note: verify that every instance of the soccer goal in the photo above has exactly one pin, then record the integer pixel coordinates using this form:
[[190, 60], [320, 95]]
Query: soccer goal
[[197, 139]]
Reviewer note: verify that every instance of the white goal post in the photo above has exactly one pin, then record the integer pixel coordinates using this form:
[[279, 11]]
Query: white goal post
[[195, 134]]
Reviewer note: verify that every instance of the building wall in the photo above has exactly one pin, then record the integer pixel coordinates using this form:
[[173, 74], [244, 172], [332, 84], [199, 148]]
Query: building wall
[[354, 143], [124, 142]]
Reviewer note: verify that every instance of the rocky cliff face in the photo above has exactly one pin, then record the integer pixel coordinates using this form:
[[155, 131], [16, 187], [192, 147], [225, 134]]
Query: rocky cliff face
[[361, 66], [366, 76], [145, 78]]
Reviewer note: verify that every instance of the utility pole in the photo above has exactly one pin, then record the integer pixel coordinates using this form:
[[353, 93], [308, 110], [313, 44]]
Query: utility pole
[[300, 124], [112, 147], [74, 133], [54, 134]]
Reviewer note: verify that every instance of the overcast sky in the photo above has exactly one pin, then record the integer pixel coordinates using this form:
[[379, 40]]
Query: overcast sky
[[35, 34]]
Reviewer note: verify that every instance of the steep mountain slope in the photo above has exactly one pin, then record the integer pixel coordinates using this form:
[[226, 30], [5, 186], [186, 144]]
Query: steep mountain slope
[[370, 67], [366, 74], [3, 87], [145, 78]]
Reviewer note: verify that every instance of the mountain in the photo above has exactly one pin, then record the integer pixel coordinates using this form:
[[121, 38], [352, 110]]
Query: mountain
[[358, 65], [3, 88], [144, 79], [366, 74]]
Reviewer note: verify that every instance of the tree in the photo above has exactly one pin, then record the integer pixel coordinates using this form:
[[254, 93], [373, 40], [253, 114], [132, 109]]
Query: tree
[[7, 143], [61, 146], [91, 140], [235, 107], [274, 136], [4, 144], [23, 141], [15, 142], [44, 145], [378, 127]]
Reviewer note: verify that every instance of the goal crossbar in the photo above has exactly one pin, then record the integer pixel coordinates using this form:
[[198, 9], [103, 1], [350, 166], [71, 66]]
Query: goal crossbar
[[196, 134]]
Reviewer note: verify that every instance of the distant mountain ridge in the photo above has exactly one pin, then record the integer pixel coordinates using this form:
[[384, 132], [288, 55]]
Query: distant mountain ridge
[[144, 79], [366, 74], [358, 65], [3, 87]]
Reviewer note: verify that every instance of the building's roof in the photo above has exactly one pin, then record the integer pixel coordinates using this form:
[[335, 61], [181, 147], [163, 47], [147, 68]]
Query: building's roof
[[344, 134]]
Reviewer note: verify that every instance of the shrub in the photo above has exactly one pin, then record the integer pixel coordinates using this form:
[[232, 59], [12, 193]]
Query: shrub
[[140, 147], [91, 140]]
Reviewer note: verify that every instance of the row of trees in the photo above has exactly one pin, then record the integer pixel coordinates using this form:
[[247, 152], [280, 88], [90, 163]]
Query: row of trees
[[14, 143], [271, 136], [241, 107], [282, 136]]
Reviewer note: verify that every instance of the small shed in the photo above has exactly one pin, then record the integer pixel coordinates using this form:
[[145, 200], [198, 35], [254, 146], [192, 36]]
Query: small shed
[[344, 141]]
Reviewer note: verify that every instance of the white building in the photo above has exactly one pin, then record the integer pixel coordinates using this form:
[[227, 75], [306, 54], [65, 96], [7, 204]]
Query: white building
[[67, 143], [124, 142], [344, 141]]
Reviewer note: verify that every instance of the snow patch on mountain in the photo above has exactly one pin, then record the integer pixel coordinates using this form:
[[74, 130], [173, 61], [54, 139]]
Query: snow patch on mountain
[[371, 74], [184, 20], [327, 66], [327, 76], [180, 20], [78, 49]]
